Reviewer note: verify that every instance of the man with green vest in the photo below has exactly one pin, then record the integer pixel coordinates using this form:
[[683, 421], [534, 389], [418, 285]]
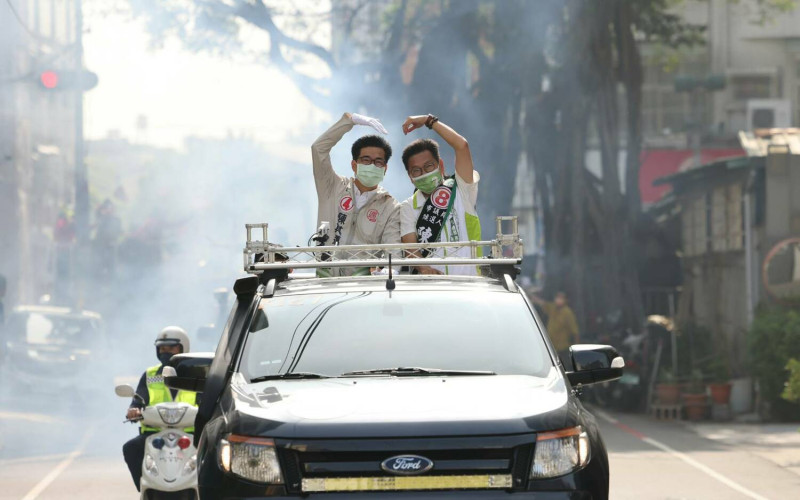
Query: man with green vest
[[151, 391], [442, 207]]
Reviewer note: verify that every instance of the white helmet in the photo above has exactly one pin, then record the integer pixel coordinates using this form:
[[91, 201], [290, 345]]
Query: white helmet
[[173, 335]]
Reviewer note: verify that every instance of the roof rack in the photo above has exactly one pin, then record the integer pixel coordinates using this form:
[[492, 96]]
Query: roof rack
[[505, 250]]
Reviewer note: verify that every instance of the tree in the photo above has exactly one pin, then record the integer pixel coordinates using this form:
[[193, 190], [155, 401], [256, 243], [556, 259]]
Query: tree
[[513, 76]]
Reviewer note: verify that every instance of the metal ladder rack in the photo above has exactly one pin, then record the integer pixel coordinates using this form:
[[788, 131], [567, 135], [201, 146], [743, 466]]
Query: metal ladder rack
[[505, 250]]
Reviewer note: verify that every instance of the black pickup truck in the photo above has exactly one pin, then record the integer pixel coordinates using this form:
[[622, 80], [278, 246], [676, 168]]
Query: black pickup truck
[[442, 387]]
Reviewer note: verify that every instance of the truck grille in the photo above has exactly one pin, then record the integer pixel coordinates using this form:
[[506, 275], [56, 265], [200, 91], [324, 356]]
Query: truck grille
[[493, 461]]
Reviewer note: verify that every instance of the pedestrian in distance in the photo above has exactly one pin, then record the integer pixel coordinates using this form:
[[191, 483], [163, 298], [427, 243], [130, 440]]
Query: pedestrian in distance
[[561, 325]]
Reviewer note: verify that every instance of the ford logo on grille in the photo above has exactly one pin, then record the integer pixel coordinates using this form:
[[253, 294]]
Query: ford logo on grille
[[407, 465]]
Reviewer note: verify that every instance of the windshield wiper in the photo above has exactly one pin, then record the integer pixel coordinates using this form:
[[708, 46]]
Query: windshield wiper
[[414, 371], [289, 376]]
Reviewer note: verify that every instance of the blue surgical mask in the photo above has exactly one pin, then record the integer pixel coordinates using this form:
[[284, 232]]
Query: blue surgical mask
[[369, 175]]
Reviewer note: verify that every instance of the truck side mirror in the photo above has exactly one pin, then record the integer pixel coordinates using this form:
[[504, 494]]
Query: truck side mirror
[[594, 363], [188, 372]]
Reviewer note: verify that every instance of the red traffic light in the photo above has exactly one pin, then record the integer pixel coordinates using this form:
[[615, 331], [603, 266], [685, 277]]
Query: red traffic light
[[61, 79], [49, 79]]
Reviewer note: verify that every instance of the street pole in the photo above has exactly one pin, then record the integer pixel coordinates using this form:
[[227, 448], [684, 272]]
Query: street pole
[[697, 128], [748, 250], [81, 180]]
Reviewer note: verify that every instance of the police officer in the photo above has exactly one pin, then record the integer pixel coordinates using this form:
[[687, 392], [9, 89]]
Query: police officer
[[152, 390]]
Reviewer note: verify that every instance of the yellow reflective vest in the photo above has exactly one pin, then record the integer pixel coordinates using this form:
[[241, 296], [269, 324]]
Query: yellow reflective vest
[[158, 392]]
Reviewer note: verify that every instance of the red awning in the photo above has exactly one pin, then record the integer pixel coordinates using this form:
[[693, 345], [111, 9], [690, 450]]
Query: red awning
[[657, 163]]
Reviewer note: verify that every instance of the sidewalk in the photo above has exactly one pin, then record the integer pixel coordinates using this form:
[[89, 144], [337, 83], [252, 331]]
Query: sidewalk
[[778, 443]]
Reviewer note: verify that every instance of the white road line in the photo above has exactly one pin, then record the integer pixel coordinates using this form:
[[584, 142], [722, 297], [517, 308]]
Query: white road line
[[689, 460], [53, 475], [25, 460], [605, 416], [28, 417], [694, 463]]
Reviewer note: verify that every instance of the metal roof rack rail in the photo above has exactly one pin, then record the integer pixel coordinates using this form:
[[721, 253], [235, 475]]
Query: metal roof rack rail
[[259, 255]]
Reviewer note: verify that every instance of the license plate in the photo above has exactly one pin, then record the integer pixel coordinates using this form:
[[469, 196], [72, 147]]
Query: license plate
[[484, 481], [629, 378]]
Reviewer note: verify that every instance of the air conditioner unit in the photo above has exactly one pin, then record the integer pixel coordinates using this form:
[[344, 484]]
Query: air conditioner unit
[[768, 113]]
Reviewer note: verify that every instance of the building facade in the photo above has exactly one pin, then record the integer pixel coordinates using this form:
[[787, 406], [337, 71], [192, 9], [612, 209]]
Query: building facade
[[759, 59], [37, 143]]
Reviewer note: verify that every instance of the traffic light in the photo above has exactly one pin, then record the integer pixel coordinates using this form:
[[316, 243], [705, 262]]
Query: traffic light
[[56, 79]]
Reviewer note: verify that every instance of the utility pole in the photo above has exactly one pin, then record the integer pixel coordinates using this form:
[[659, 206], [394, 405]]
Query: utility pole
[[694, 86], [80, 260]]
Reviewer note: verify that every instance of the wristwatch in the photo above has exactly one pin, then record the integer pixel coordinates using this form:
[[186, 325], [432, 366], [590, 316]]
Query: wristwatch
[[431, 120]]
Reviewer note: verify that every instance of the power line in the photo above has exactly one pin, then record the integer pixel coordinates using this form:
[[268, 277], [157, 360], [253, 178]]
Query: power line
[[20, 21]]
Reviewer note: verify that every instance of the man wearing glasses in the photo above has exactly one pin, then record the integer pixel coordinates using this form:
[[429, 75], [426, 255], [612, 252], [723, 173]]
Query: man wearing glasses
[[442, 208], [359, 210]]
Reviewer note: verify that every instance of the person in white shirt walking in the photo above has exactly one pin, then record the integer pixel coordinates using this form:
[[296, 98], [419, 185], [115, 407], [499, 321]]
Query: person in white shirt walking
[[442, 208]]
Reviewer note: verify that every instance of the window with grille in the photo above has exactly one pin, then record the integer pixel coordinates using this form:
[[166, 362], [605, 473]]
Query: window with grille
[[695, 226], [713, 221], [752, 87]]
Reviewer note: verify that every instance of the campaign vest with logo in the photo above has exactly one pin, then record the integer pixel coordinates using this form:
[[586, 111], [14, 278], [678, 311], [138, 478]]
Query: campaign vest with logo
[[374, 223], [158, 392], [461, 220]]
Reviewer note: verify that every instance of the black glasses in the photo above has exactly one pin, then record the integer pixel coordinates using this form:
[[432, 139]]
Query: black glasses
[[425, 169], [366, 160]]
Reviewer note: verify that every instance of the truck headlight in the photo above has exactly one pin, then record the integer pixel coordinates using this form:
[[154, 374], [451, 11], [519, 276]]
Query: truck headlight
[[172, 416], [250, 458], [560, 452]]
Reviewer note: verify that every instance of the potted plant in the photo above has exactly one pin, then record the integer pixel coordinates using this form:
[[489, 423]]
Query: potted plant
[[720, 385], [667, 390], [694, 400]]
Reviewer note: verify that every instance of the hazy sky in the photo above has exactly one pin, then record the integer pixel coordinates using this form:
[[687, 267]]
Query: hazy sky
[[181, 93]]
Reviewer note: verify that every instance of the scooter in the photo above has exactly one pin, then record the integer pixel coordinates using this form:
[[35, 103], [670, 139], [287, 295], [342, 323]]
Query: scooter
[[169, 468]]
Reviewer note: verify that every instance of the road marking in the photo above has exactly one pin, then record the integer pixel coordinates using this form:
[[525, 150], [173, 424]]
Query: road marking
[[25, 460], [680, 455], [29, 417], [57, 470], [711, 472]]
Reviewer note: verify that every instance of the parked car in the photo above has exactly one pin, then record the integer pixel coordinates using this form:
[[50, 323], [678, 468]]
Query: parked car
[[52, 348], [433, 387]]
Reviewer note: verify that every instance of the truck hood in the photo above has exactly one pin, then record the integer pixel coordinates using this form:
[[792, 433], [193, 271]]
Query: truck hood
[[401, 406]]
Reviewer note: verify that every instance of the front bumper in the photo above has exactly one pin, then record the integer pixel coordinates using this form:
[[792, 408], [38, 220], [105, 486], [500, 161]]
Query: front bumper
[[208, 494]]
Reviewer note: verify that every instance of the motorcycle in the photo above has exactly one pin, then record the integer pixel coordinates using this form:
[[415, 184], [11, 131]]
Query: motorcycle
[[641, 352], [169, 467]]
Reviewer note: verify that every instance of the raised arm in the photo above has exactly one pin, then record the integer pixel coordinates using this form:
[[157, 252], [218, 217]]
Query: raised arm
[[464, 167], [324, 175]]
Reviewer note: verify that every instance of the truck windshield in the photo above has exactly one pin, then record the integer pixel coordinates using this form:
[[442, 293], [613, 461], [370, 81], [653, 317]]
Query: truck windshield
[[334, 333]]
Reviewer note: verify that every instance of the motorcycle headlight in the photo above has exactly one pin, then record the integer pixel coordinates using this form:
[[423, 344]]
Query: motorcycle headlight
[[150, 465], [250, 458], [191, 466], [560, 452], [172, 416]]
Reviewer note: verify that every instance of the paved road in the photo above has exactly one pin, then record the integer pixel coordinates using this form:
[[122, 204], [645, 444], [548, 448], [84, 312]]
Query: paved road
[[670, 461], [52, 449]]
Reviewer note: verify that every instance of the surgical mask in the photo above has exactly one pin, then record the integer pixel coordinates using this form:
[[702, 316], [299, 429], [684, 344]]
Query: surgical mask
[[164, 357], [369, 175], [428, 182]]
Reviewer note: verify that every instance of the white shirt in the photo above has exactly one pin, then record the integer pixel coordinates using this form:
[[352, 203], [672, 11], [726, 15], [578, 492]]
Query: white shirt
[[362, 198], [466, 198]]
